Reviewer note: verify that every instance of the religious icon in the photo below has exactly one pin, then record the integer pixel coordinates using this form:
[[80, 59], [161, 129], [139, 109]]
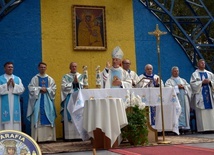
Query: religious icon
[[89, 27], [115, 78]]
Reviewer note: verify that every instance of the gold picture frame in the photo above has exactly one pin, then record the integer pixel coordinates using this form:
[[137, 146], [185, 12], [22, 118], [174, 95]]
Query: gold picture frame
[[89, 27]]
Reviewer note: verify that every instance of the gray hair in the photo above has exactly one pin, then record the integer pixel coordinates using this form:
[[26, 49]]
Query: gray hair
[[148, 66], [174, 67]]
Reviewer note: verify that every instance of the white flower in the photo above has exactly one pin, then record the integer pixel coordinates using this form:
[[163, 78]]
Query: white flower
[[132, 100]]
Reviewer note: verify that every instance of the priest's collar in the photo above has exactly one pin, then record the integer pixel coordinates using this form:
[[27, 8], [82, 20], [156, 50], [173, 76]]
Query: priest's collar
[[176, 77], [199, 70], [113, 68], [8, 76], [73, 74], [148, 75], [42, 75]]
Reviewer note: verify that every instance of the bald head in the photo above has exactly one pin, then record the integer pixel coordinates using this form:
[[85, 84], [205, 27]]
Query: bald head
[[126, 64], [149, 69]]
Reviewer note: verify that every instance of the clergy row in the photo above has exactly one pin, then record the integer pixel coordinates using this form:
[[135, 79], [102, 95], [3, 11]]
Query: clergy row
[[198, 96], [42, 90]]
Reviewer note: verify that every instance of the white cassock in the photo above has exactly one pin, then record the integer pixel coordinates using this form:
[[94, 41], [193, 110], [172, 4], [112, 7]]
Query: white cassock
[[184, 96], [67, 88], [10, 117], [107, 78], [204, 117], [41, 107]]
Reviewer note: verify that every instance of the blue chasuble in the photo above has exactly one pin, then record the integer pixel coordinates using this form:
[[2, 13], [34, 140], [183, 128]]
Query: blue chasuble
[[205, 91], [43, 82], [115, 74], [5, 111]]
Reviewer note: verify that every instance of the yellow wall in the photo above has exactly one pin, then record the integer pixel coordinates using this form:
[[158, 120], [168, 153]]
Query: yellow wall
[[57, 39]]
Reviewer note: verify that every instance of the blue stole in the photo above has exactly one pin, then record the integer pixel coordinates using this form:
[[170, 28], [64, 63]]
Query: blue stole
[[64, 104], [43, 82], [206, 92], [151, 77], [181, 97], [152, 108], [5, 111]]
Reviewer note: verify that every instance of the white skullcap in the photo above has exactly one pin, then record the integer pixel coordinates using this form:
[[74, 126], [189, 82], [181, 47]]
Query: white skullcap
[[117, 53]]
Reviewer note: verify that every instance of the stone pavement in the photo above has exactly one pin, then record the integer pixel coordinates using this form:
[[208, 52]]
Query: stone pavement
[[85, 148]]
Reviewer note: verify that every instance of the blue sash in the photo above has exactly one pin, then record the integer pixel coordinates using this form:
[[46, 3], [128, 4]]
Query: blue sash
[[5, 111], [206, 92]]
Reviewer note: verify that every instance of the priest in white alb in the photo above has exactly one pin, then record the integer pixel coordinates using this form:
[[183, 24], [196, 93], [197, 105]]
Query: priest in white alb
[[41, 109], [202, 83], [149, 79], [11, 88], [115, 76], [71, 82], [183, 91], [126, 63]]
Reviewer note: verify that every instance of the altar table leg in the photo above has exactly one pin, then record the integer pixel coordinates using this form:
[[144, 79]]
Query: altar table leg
[[100, 141]]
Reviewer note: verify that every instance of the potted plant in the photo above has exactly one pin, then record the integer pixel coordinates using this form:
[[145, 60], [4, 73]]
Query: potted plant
[[136, 131]]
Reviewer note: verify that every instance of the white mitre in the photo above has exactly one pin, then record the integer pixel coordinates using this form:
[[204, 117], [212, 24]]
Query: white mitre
[[117, 53]]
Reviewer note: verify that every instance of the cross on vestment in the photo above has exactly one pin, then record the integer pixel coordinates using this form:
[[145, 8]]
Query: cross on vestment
[[16, 113], [5, 113], [43, 83]]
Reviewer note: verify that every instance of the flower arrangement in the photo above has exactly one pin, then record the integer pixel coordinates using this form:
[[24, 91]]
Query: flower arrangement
[[136, 131]]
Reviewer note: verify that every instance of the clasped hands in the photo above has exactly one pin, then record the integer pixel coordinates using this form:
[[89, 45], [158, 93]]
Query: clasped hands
[[43, 90], [10, 82], [180, 86], [206, 81], [75, 79], [116, 82]]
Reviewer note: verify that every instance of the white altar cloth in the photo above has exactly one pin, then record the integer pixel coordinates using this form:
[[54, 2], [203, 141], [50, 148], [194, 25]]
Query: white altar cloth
[[150, 96], [109, 115]]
